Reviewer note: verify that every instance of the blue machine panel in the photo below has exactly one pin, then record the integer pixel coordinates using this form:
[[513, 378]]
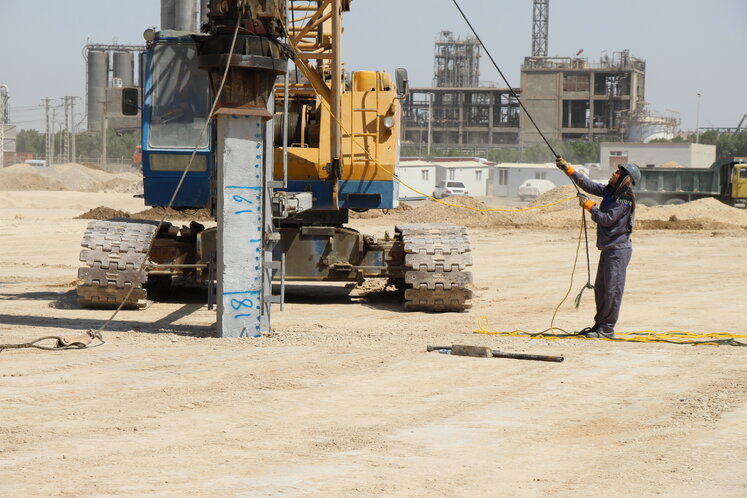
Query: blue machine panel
[[353, 194], [195, 192], [176, 100]]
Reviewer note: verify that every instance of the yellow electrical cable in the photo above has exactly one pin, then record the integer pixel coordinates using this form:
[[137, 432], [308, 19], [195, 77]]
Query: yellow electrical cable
[[673, 336]]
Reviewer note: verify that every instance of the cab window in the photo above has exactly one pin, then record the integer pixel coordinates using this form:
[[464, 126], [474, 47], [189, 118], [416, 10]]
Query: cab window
[[180, 96]]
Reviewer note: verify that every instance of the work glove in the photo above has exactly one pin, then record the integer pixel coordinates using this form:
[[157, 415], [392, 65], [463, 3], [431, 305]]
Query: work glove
[[585, 202], [564, 166]]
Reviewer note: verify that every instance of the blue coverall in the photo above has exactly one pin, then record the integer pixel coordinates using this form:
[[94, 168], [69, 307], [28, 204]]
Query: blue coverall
[[613, 239]]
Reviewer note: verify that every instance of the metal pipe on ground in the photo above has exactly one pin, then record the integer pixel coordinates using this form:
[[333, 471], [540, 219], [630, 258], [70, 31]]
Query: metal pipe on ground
[[485, 352]]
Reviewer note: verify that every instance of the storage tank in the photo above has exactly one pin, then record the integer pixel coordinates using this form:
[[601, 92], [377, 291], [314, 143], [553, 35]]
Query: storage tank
[[167, 14], [122, 66], [98, 76], [185, 15], [180, 15], [647, 128]]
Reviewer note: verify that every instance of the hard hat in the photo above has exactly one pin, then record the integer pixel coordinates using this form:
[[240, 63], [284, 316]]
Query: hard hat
[[633, 170]]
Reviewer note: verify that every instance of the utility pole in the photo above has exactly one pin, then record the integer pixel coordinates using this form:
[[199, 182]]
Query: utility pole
[[72, 129], [3, 121], [47, 141], [52, 138], [697, 122], [66, 132], [103, 139], [430, 118]]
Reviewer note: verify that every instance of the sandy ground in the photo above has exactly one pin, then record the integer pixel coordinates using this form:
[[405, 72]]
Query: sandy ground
[[342, 399]]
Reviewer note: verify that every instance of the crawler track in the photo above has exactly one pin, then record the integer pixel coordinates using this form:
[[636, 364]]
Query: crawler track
[[436, 257], [114, 252]]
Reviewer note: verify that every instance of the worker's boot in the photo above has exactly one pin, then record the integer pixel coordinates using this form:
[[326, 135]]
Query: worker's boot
[[586, 330], [600, 334]]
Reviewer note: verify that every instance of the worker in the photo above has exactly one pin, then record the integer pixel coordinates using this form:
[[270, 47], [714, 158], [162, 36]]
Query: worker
[[614, 219]]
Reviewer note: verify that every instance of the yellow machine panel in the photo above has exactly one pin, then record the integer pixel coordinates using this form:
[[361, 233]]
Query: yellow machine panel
[[370, 113], [739, 182]]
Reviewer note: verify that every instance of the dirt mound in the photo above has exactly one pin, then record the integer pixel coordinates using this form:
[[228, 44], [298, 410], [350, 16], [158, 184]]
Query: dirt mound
[[156, 213], [78, 177], [71, 176], [670, 164], [103, 213], [555, 195], [437, 212], [25, 177], [710, 213], [450, 211], [676, 224], [703, 214], [124, 185]]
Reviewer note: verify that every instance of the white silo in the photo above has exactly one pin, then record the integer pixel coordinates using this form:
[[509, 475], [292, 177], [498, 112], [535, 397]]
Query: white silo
[[123, 68], [98, 78]]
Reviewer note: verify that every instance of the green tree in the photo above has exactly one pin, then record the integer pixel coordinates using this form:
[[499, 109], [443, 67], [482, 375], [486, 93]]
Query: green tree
[[30, 141], [87, 144], [727, 144]]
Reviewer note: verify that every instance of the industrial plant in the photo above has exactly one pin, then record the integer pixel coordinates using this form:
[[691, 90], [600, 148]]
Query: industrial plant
[[111, 67], [224, 271], [571, 98]]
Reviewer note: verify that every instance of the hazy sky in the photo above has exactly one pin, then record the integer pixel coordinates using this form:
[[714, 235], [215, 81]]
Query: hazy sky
[[690, 46]]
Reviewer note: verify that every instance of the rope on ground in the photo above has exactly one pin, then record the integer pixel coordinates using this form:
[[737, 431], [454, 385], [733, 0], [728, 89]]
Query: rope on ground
[[79, 341]]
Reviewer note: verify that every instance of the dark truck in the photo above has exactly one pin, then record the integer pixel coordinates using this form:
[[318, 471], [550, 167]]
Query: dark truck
[[725, 180]]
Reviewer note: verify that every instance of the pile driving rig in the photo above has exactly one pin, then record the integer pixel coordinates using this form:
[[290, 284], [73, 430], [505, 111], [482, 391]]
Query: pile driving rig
[[286, 156]]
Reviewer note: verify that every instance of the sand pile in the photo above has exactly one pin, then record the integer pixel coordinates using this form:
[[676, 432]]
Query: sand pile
[[25, 177], [474, 216], [154, 213], [555, 195], [102, 213], [558, 194], [700, 214], [434, 212], [70, 176], [703, 214]]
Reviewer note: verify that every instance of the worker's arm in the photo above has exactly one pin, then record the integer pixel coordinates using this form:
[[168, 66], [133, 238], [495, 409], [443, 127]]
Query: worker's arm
[[611, 215], [584, 183], [587, 185]]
